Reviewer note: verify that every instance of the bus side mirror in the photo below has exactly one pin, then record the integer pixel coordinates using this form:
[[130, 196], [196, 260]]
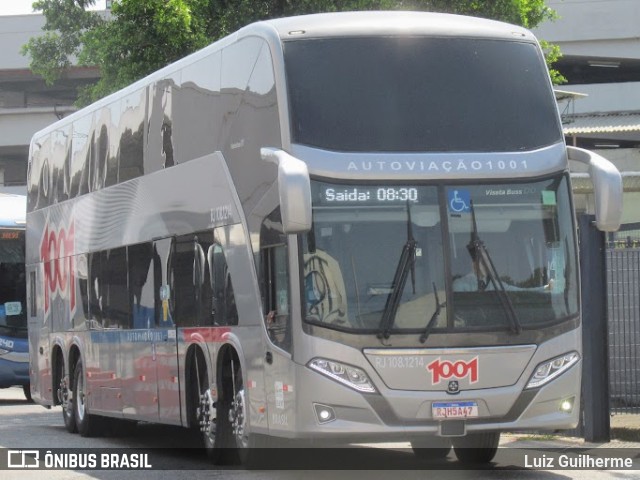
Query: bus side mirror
[[607, 187], [294, 188]]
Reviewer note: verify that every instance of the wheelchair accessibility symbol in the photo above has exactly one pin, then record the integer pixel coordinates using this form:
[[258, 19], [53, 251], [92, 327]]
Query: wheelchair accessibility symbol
[[459, 200]]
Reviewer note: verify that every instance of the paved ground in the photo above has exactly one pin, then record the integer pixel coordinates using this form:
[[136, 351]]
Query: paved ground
[[624, 426], [558, 441], [624, 420]]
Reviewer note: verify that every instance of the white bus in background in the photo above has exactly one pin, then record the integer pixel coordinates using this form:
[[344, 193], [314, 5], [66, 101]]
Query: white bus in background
[[265, 240]]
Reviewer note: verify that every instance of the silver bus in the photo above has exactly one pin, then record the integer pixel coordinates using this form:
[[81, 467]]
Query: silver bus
[[337, 228]]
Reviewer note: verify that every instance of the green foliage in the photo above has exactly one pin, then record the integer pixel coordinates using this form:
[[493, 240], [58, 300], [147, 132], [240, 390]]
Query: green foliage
[[552, 55], [144, 35], [65, 23]]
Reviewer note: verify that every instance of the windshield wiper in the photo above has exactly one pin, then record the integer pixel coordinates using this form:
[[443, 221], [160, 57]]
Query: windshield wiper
[[434, 316], [406, 263], [480, 255]]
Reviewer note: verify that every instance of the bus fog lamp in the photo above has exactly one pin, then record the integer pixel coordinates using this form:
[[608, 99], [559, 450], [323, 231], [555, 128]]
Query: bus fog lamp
[[566, 405], [324, 413], [547, 371], [348, 375]]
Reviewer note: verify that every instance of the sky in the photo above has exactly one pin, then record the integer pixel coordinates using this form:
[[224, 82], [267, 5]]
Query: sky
[[21, 7]]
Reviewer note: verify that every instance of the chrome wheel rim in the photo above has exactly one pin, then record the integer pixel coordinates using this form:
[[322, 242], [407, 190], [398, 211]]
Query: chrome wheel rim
[[64, 396], [207, 416], [238, 419]]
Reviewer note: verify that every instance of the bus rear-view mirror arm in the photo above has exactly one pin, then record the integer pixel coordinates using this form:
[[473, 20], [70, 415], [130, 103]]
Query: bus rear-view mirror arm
[[294, 188], [607, 187]]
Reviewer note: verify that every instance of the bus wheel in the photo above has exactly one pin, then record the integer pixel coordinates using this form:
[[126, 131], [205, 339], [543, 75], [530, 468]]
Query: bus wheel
[[250, 447], [27, 393], [476, 448], [88, 425], [65, 397], [431, 448]]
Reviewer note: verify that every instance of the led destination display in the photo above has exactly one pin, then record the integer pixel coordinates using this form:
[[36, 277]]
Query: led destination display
[[356, 195]]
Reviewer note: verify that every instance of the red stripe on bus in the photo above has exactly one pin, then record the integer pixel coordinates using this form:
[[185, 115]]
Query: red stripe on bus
[[206, 334]]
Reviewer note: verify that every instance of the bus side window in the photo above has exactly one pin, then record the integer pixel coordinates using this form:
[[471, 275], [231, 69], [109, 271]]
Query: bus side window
[[203, 243], [223, 301], [117, 298], [61, 139], [96, 289], [45, 189], [81, 316], [181, 278], [131, 144], [142, 271], [189, 280], [274, 279]]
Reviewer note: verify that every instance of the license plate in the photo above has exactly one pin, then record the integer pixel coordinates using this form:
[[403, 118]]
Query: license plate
[[454, 409]]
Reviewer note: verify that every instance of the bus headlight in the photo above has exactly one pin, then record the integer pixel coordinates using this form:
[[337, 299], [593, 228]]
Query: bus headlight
[[350, 376], [3, 351], [547, 371]]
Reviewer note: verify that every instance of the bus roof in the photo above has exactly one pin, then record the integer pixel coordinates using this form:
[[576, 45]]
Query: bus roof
[[338, 24], [394, 23], [13, 210]]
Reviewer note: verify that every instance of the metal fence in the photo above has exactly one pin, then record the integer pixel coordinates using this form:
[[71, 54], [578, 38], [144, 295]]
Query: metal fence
[[623, 283]]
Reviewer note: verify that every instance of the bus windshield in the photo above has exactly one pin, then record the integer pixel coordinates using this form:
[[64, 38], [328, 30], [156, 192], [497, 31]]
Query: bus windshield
[[13, 315], [364, 236], [419, 94]]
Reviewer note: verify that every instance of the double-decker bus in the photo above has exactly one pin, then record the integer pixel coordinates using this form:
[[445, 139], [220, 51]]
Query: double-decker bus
[[14, 352], [338, 227]]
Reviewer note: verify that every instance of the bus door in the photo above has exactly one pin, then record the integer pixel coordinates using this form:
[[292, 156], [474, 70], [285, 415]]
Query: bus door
[[279, 374]]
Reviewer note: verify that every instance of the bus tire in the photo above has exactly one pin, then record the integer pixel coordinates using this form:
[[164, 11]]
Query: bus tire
[[68, 411], [27, 392], [215, 432], [431, 448], [88, 425], [476, 448], [252, 448]]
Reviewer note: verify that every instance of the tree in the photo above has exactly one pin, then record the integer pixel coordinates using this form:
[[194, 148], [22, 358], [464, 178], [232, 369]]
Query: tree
[[141, 36]]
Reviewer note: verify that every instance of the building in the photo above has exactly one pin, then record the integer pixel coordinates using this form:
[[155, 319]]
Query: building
[[26, 103], [600, 41]]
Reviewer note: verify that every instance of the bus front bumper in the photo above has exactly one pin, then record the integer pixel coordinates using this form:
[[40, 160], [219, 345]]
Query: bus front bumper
[[402, 415]]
